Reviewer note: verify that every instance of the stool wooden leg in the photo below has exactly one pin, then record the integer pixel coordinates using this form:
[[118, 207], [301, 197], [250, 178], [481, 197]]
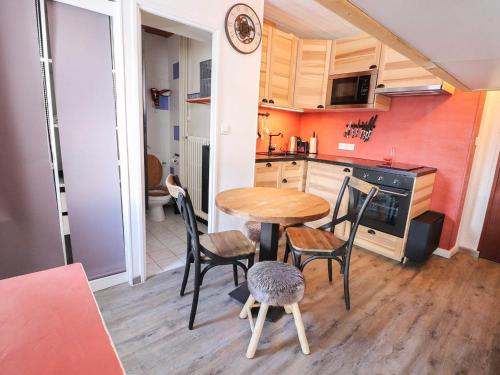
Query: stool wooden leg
[[300, 328], [248, 305], [288, 309], [254, 341]]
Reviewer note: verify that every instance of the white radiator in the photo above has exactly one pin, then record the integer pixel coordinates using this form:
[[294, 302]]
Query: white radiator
[[193, 171]]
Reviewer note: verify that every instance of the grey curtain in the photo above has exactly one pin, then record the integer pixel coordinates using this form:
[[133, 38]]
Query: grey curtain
[[82, 65], [30, 238]]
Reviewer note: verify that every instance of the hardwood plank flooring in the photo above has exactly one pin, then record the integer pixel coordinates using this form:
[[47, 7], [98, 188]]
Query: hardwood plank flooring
[[442, 317]]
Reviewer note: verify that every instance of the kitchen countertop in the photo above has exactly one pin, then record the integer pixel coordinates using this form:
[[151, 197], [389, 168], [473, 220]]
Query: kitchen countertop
[[345, 161]]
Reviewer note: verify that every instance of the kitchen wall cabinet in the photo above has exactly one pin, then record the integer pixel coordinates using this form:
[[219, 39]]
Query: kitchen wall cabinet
[[284, 174], [311, 79], [397, 70], [325, 180], [280, 61], [267, 31], [354, 54]]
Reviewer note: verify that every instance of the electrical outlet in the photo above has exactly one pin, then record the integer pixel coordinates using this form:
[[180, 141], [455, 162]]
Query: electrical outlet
[[346, 146]]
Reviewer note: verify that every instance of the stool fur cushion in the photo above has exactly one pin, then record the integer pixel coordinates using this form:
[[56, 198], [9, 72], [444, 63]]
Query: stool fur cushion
[[252, 229], [275, 283]]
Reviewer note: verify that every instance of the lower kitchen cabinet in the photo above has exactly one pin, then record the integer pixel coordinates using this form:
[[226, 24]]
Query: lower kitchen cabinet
[[267, 174], [325, 181], [281, 174], [292, 175]]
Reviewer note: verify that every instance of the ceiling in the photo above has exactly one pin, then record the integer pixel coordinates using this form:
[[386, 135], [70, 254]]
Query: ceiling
[[170, 26], [307, 19], [460, 36]]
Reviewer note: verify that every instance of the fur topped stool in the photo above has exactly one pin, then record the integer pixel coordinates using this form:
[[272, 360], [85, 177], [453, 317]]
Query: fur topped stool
[[274, 284]]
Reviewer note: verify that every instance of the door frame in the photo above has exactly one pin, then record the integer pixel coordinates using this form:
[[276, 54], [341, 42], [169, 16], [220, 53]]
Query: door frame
[[132, 49], [489, 209]]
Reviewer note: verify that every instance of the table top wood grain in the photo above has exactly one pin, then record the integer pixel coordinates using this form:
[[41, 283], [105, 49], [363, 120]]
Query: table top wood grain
[[272, 205]]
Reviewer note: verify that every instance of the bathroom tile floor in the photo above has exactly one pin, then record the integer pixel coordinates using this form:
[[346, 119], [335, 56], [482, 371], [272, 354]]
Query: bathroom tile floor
[[166, 242]]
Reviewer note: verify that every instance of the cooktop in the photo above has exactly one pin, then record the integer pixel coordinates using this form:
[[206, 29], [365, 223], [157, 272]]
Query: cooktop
[[399, 166]]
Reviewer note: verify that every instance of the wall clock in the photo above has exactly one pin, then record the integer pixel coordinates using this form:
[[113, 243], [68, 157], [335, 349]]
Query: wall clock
[[243, 28]]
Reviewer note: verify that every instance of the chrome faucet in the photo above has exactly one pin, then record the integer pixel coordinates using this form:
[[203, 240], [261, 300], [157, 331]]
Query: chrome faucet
[[270, 148]]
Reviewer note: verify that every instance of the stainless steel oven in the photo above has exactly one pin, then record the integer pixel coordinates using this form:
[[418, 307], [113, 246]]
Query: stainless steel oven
[[388, 211], [351, 90]]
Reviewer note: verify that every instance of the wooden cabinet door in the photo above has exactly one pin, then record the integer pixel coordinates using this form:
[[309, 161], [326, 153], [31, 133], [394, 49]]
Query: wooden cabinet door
[[354, 54], [267, 31], [292, 175], [282, 68], [311, 79], [325, 180], [267, 174], [397, 70]]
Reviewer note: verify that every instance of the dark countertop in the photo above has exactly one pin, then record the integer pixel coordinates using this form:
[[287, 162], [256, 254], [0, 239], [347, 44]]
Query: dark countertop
[[344, 161]]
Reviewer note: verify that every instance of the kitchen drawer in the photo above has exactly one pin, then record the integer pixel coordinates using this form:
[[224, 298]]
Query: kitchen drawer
[[267, 174], [379, 242], [292, 168]]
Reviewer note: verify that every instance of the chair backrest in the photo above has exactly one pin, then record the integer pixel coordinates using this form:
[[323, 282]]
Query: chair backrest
[[353, 184], [186, 210]]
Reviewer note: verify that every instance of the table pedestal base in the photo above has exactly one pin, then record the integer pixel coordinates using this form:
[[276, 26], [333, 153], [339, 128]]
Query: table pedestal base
[[241, 295]]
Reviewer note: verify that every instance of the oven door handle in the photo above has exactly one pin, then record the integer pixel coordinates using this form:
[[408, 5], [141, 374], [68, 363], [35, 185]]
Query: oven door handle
[[393, 192]]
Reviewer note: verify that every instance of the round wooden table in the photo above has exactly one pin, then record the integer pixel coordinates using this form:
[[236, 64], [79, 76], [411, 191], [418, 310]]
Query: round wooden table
[[271, 207]]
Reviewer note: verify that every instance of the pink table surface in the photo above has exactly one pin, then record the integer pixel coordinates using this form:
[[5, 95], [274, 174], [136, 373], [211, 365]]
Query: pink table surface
[[50, 324]]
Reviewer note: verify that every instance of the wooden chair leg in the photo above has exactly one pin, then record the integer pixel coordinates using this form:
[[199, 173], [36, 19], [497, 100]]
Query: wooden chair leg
[[288, 309], [330, 272], [248, 305], [197, 276], [235, 274], [297, 317], [186, 274], [254, 341]]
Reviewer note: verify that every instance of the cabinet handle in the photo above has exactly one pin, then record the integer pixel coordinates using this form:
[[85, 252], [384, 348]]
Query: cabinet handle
[[271, 101], [294, 163], [269, 165], [371, 231], [321, 106], [284, 181], [380, 86], [264, 100], [373, 66], [347, 170]]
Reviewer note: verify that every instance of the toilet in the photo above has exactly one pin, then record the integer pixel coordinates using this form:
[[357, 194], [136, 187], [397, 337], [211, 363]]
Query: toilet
[[157, 195]]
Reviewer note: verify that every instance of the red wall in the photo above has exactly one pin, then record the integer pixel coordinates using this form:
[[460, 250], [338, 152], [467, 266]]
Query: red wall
[[279, 121], [434, 131]]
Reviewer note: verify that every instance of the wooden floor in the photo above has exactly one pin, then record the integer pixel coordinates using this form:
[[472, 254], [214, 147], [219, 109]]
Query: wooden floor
[[440, 318]]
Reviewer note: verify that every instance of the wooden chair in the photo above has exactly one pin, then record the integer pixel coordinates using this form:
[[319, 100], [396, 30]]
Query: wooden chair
[[322, 243], [211, 250]]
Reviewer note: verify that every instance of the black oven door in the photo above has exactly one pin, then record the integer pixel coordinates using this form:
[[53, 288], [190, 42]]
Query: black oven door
[[350, 90], [387, 212]]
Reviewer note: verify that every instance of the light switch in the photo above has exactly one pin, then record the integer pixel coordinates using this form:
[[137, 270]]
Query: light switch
[[225, 130], [346, 146]]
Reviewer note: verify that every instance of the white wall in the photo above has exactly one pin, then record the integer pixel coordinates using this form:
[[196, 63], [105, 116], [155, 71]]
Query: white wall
[[158, 71], [482, 174], [235, 89], [198, 115]]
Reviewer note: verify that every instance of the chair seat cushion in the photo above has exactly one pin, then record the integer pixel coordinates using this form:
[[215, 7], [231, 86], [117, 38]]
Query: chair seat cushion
[[275, 283], [314, 240], [228, 244]]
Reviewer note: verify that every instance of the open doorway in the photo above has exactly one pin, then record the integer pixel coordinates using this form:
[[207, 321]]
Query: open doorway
[[176, 124]]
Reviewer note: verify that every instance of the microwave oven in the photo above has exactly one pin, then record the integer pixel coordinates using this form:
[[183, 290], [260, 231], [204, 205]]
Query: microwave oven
[[351, 90]]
